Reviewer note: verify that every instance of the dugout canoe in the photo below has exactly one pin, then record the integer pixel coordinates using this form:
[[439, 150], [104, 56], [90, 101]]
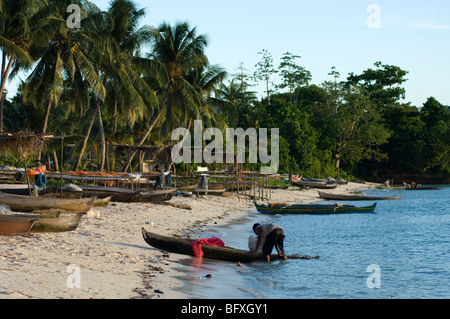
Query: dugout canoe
[[45, 223], [311, 184], [280, 208], [126, 195], [183, 246], [54, 193], [355, 197], [22, 203], [421, 188], [14, 227]]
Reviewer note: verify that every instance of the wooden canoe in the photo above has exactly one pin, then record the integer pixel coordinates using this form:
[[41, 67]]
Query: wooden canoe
[[309, 184], [55, 193], [183, 246], [22, 203], [213, 191], [277, 208], [126, 195], [354, 197], [14, 227], [420, 188], [46, 222]]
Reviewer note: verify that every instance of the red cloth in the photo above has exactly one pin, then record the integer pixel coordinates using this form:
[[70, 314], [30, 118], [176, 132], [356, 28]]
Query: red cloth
[[197, 247]]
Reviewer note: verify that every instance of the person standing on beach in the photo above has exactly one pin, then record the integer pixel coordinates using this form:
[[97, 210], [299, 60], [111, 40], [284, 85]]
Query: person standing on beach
[[269, 235]]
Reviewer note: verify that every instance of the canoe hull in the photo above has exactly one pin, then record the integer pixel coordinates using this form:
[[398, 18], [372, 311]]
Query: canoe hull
[[306, 184], [16, 227], [46, 222], [183, 246], [354, 197], [128, 195], [30, 203], [313, 209]]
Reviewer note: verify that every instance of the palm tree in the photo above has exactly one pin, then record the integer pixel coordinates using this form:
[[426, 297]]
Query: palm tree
[[64, 57], [119, 65], [19, 21], [177, 50]]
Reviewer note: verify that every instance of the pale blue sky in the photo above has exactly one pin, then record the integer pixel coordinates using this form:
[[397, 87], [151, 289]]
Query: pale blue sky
[[413, 35]]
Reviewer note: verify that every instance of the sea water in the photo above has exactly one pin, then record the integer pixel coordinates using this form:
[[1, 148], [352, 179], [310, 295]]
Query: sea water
[[400, 251]]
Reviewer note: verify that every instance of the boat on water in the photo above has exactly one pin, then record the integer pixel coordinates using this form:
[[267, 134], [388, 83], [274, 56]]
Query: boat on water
[[50, 222], [409, 187], [282, 208], [184, 246], [420, 188], [23, 203], [329, 196]]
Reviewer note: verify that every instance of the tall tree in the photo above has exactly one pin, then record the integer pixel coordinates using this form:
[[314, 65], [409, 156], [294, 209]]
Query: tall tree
[[65, 56], [265, 70], [292, 75], [119, 66], [176, 50], [19, 20]]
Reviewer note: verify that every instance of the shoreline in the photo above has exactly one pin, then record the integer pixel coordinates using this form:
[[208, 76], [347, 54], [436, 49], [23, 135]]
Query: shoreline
[[106, 256]]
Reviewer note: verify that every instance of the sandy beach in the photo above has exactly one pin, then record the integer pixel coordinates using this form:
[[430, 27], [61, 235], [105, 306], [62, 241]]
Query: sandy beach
[[106, 256]]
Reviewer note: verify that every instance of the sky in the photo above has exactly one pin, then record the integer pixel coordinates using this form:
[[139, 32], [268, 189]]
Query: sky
[[350, 34]]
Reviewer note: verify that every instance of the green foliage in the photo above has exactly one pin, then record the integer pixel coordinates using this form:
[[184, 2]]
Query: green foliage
[[359, 126]]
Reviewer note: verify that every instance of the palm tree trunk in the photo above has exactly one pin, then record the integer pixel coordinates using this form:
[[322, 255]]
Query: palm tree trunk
[[150, 127], [46, 115], [86, 137], [4, 77], [102, 135]]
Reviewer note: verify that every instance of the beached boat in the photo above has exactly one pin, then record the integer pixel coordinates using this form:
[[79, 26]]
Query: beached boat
[[213, 190], [355, 197], [184, 246], [119, 194], [327, 181], [14, 227], [50, 222], [314, 184], [55, 193], [22, 203], [281, 208]]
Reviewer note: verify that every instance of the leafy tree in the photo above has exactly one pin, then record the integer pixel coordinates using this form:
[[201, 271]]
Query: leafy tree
[[265, 70], [383, 84], [20, 21], [436, 118], [64, 56], [176, 50], [292, 75]]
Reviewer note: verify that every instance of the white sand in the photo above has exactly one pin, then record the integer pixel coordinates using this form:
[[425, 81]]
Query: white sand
[[106, 256]]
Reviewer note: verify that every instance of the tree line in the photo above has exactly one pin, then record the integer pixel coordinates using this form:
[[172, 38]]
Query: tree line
[[114, 81]]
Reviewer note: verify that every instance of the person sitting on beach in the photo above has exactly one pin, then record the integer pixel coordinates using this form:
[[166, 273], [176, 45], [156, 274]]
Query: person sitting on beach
[[269, 235], [158, 179]]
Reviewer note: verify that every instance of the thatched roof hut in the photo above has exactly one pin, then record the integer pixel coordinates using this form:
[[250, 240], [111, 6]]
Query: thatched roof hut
[[22, 143]]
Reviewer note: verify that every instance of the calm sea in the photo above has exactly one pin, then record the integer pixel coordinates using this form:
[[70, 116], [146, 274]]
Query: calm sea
[[401, 251]]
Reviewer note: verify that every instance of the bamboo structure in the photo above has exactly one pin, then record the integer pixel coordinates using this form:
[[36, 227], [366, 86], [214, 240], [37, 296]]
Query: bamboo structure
[[23, 145]]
